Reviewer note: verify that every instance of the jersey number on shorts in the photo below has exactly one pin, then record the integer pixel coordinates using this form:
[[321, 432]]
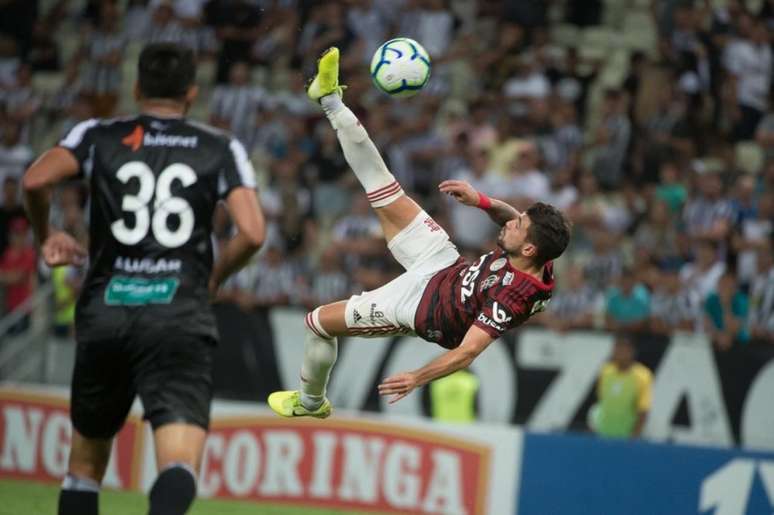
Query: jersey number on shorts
[[164, 205]]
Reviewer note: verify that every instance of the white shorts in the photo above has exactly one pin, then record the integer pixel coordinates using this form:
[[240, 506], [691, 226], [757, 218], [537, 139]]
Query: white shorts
[[423, 249]]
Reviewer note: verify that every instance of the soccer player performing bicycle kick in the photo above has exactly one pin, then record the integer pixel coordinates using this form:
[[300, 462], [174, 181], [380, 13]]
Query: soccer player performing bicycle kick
[[460, 306]]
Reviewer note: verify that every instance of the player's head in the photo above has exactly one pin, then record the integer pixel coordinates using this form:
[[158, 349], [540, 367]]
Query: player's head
[[166, 72], [540, 234], [623, 351]]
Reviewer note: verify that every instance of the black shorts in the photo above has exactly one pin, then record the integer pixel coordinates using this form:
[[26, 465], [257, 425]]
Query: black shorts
[[169, 369]]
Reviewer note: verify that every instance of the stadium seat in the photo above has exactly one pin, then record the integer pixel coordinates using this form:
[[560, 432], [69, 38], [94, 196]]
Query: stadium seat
[[614, 12], [713, 164], [638, 21], [601, 37], [565, 35], [47, 83], [616, 67], [748, 157]]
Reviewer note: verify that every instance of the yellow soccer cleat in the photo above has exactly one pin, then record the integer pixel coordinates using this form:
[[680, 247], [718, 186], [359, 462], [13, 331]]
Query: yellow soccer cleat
[[288, 404], [326, 81]]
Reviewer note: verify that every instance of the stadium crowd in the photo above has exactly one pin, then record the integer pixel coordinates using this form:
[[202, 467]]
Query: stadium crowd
[[648, 122]]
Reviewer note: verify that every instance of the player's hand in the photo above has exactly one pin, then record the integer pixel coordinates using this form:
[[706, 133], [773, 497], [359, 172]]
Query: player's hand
[[462, 191], [398, 386], [62, 249]]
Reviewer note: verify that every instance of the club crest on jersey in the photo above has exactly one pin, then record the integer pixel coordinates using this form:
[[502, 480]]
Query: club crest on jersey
[[497, 264], [488, 282], [508, 278]]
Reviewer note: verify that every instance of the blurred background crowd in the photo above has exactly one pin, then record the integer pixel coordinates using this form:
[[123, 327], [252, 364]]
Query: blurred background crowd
[[648, 121]]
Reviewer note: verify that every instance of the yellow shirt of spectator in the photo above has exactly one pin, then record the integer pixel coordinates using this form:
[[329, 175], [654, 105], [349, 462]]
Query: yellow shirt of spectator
[[64, 296], [623, 395], [453, 398]]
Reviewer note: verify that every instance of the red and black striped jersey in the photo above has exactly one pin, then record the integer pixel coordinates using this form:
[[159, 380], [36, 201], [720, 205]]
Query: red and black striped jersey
[[490, 294]]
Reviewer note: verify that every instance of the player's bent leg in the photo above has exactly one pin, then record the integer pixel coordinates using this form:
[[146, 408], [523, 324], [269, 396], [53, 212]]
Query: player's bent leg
[[88, 462], [394, 209], [397, 215], [384, 192], [179, 448], [320, 353], [323, 325]]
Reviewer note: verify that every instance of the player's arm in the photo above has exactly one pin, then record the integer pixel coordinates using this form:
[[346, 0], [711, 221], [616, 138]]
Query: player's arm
[[644, 400], [500, 212], [473, 344], [245, 211], [54, 166]]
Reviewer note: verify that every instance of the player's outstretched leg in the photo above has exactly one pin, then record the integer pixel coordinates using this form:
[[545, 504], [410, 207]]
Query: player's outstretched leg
[[394, 209], [320, 351]]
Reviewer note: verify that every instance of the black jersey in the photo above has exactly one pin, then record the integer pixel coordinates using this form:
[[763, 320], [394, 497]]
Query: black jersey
[[154, 185]]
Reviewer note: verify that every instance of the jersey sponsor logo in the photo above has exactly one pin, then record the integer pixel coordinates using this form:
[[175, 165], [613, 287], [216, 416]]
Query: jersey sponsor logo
[[491, 323], [134, 139], [133, 291], [146, 265], [488, 282], [500, 315], [164, 140], [138, 137]]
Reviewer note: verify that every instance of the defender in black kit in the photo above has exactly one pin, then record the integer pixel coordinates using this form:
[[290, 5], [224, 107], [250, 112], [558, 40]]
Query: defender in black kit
[[144, 325]]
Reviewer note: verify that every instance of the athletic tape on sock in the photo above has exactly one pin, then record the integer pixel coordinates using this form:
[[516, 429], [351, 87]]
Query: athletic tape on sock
[[79, 484]]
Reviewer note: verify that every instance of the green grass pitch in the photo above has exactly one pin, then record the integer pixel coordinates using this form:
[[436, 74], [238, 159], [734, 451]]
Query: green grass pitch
[[28, 498]]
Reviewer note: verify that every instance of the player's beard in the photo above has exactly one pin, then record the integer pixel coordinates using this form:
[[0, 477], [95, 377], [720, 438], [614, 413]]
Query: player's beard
[[501, 239]]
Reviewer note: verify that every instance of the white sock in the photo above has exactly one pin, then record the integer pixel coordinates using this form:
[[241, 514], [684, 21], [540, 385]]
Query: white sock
[[320, 351], [361, 153]]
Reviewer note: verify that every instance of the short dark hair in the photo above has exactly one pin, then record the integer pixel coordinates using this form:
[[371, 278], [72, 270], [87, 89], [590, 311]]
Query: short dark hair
[[626, 339], [165, 70], [549, 231]]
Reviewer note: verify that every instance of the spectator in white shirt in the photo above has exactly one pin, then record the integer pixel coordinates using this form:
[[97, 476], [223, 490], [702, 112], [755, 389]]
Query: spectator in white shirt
[[612, 140], [702, 275], [428, 22], [14, 155], [748, 61], [234, 106], [753, 233], [472, 228], [762, 296], [576, 304], [709, 215], [673, 306], [527, 183]]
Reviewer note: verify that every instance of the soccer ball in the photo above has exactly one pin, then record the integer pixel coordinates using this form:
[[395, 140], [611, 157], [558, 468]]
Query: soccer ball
[[400, 67]]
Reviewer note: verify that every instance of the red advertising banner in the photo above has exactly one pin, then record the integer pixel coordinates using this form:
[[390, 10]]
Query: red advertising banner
[[349, 463], [35, 440], [345, 464]]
